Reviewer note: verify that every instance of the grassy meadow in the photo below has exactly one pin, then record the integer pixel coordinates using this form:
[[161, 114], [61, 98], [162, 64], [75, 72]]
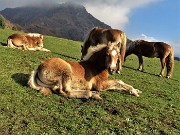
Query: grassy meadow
[[25, 111]]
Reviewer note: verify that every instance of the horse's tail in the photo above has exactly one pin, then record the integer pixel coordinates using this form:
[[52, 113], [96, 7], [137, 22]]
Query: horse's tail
[[32, 80], [36, 84], [170, 63], [10, 43]]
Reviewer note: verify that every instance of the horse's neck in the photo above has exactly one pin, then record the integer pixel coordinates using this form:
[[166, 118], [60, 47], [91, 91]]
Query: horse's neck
[[98, 59], [130, 46]]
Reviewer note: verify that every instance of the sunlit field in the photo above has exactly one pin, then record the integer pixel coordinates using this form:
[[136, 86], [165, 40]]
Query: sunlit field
[[25, 111]]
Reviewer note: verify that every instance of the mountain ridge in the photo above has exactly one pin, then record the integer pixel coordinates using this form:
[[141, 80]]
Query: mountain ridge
[[66, 20]]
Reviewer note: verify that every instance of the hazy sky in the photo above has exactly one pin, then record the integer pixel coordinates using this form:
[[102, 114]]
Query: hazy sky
[[153, 20]]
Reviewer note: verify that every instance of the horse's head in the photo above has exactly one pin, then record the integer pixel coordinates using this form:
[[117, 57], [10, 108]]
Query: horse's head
[[112, 57], [38, 41]]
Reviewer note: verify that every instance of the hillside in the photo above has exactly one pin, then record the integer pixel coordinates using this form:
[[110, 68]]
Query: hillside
[[64, 20], [25, 111]]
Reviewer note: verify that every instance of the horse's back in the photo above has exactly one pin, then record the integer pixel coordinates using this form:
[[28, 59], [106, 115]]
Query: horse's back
[[55, 64], [18, 39], [153, 49]]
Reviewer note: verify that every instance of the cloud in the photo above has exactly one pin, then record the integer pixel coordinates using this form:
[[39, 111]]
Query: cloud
[[147, 38], [112, 12], [19, 3]]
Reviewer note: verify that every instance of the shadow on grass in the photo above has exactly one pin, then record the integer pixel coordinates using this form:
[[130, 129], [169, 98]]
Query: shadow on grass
[[3, 44], [141, 71], [21, 78], [67, 56], [149, 73]]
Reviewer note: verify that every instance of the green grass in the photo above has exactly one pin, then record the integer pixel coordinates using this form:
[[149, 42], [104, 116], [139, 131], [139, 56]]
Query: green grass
[[25, 111]]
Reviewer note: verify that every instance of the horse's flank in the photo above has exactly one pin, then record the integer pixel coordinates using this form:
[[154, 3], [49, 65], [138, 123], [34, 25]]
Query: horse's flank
[[83, 79]]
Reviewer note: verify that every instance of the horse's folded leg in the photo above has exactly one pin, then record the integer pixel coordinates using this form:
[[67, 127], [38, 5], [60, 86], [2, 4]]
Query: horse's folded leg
[[45, 91], [96, 96], [79, 94]]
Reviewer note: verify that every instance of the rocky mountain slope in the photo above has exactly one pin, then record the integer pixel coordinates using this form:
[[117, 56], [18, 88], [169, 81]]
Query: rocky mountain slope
[[61, 20]]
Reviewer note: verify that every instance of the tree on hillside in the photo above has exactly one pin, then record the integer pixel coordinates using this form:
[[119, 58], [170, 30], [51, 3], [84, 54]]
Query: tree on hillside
[[2, 23]]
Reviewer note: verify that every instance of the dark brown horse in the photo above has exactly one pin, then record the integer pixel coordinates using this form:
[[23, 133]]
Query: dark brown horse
[[29, 41], [83, 79], [152, 49], [104, 36]]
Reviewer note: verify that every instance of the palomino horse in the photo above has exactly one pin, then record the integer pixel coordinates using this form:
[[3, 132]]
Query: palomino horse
[[83, 79], [35, 35], [152, 49], [26, 42], [104, 36]]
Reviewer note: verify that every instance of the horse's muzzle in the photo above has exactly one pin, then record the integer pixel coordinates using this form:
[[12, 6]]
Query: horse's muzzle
[[111, 71]]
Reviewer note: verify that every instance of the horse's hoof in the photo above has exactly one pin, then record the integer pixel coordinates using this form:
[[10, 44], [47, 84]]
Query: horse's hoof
[[167, 77], [160, 75], [136, 92], [118, 72], [96, 96]]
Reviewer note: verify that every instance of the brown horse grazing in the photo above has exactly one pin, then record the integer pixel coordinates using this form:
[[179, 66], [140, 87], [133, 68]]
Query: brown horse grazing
[[152, 49], [83, 79], [26, 42], [104, 36]]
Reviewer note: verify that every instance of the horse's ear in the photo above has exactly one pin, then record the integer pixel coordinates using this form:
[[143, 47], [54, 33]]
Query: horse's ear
[[41, 36], [109, 44]]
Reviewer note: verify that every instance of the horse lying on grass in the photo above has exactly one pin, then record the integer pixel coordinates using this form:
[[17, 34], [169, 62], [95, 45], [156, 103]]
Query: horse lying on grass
[[30, 41], [85, 79], [98, 36], [152, 49]]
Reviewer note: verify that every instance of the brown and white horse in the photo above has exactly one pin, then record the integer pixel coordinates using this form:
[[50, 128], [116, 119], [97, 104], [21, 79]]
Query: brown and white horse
[[152, 49], [30, 41], [98, 36], [85, 79]]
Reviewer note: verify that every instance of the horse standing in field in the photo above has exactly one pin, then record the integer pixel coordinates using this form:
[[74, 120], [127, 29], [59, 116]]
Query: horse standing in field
[[152, 49], [83, 79], [26, 42], [98, 36]]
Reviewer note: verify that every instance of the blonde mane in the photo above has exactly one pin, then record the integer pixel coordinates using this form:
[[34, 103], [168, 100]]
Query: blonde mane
[[92, 50]]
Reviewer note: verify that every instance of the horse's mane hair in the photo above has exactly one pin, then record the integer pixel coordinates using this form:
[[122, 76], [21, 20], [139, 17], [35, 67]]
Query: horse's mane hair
[[87, 37], [92, 50], [130, 45]]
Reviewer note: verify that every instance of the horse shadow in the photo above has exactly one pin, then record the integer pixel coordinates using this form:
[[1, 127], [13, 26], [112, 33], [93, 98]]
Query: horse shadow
[[141, 71], [3, 44], [157, 75], [67, 56], [21, 78]]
